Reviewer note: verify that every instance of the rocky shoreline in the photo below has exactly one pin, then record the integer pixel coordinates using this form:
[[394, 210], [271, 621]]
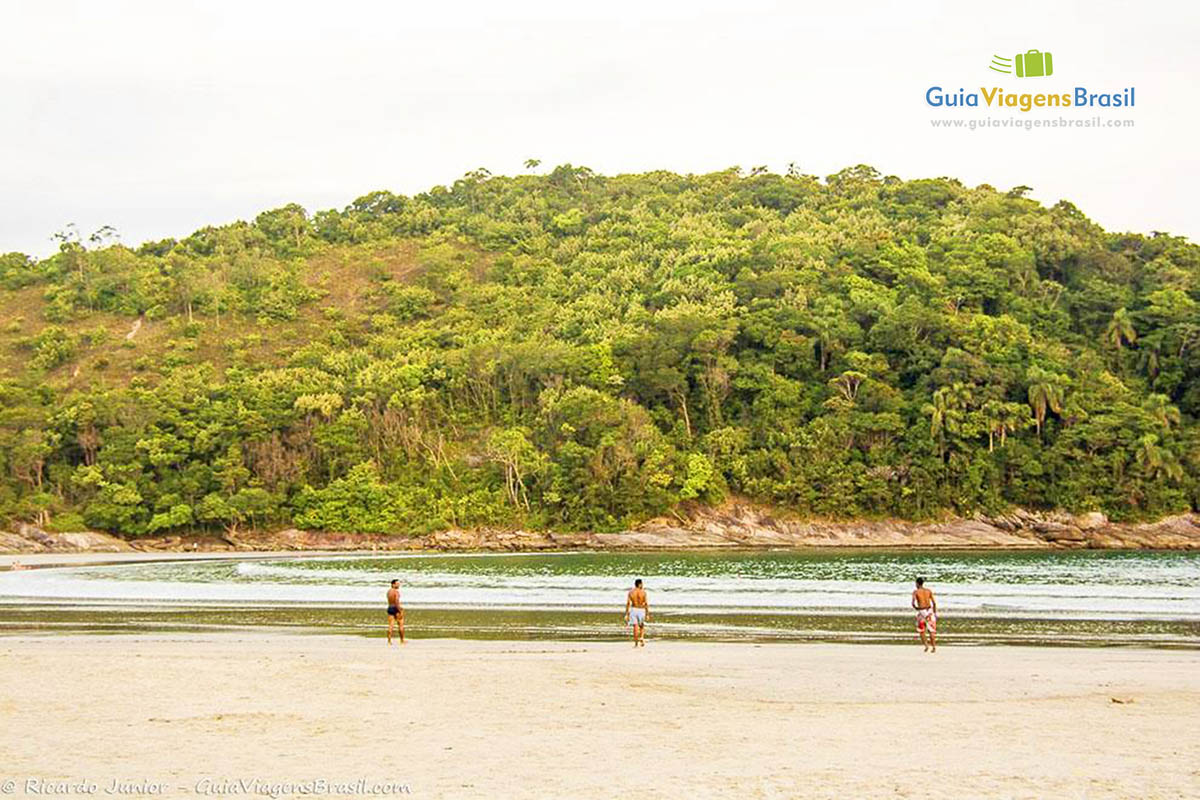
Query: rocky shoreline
[[691, 527]]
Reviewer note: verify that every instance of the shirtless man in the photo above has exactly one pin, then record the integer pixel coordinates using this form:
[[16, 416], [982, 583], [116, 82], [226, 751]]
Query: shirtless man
[[395, 612], [637, 612], [926, 606]]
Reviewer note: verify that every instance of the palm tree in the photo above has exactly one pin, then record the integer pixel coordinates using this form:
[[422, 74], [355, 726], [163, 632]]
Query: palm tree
[[1157, 461], [828, 338], [1013, 417], [532, 163], [1045, 394], [947, 412], [1120, 330], [1002, 419], [990, 413], [1149, 361], [959, 402]]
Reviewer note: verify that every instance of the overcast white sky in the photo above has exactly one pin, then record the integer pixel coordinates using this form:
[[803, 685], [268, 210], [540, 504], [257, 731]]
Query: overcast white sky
[[160, 117]]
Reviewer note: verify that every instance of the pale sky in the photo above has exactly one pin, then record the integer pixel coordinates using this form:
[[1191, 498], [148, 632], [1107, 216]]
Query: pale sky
[[161, 117]]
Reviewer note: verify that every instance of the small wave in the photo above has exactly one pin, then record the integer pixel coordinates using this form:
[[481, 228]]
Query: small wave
[[794, 583]]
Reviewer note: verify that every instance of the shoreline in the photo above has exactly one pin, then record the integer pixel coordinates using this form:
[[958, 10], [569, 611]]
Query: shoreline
[[555, 718], [737, 527], [43, 600], [591, 627]]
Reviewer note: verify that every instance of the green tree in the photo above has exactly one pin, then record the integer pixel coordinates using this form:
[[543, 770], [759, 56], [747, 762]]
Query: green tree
[[1046, 391], [1120, 330]]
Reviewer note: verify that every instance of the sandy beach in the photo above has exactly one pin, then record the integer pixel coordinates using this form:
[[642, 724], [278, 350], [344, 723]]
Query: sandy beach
[[191, 715]]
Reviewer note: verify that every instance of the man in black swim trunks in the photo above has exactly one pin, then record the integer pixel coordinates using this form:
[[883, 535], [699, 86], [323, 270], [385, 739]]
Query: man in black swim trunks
[[395, 612]]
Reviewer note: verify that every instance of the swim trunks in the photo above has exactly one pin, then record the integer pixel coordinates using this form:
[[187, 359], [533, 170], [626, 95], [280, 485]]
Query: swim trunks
[[393, 611], [926, 619], [637, 616]]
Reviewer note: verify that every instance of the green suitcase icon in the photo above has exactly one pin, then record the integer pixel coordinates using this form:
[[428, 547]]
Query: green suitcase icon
[[1034, 64]]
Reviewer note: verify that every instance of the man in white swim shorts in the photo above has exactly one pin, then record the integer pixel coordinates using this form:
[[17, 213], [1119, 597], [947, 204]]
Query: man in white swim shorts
[[637, 612]]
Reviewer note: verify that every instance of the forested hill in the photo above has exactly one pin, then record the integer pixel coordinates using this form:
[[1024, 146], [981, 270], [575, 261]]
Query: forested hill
[[570, 350]]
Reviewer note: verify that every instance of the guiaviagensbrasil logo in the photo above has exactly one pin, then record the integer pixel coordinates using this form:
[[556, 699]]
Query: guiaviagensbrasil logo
[[1030, 64]]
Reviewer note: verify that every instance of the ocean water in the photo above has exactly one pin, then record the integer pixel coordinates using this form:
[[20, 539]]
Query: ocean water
[[1062, 597]]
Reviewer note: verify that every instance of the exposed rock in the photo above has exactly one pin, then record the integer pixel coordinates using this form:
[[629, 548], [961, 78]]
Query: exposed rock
[[1061, 533], [12, 543], [1020, 528], [691, 526], [31, 539]]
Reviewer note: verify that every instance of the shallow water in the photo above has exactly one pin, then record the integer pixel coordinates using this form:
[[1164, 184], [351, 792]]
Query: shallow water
[[1072, 597]]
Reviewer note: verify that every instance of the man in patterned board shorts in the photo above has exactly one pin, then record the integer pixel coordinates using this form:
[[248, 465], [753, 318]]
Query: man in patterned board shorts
[[926, 607]]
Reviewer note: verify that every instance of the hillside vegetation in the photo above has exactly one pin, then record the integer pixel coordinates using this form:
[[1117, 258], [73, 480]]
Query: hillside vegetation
[[572, 350]]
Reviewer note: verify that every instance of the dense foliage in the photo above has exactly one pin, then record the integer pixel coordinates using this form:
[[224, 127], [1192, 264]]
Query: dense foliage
[[579, 351]]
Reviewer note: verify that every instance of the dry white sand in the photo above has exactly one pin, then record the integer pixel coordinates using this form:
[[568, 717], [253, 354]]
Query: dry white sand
[[566, 720]]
